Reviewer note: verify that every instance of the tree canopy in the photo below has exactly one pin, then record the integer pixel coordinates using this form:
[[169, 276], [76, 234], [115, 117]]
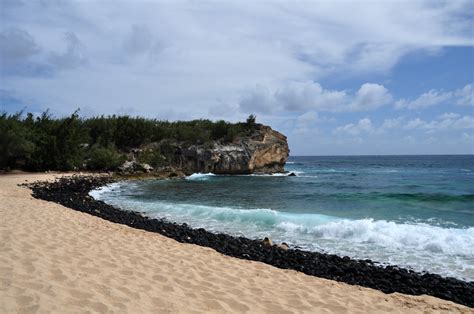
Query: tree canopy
[[42, 142]]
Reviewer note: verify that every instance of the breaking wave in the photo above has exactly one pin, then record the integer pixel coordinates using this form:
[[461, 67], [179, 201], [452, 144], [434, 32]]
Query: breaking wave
[[447, 251]]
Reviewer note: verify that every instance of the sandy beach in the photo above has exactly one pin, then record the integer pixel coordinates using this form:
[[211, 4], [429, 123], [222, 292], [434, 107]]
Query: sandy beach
[[54, 259]]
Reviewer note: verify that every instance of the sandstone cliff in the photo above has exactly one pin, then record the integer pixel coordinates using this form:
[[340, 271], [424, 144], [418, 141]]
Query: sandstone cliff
[[263, 150]]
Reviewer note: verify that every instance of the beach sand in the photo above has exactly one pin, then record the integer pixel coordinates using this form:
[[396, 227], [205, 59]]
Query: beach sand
[[54, 259]]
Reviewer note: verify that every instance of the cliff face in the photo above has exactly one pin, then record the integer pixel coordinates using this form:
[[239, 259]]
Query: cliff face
[[263, 151]]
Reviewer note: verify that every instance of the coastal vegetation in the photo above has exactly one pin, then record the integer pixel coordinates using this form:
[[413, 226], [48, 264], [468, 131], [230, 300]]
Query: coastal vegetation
[[43, 142]]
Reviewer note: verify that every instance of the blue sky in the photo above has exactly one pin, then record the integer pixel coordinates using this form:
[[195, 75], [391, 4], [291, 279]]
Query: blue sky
[[354, 77]]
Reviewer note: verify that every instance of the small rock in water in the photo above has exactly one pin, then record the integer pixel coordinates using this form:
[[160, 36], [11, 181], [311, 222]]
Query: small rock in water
[[283, 246], [292, 174], [267, 241]]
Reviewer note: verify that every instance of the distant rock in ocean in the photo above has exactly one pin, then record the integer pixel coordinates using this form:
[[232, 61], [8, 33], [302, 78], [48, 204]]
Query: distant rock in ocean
[[264, 150]]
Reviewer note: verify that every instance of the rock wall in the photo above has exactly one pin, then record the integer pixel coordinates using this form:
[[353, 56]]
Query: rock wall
[[263, 151]]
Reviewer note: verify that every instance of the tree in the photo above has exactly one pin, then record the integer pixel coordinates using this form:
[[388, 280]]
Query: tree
[[43, 142], [251, 120], [104, 158]]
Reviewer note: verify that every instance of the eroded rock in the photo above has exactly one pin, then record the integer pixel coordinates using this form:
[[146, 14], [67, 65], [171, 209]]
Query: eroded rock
[[264, 151]]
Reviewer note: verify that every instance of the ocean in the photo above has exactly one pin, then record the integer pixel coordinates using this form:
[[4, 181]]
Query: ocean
[[416, 212]]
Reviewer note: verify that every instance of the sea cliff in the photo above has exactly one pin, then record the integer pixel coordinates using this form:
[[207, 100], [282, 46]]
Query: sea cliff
[[263, 150]]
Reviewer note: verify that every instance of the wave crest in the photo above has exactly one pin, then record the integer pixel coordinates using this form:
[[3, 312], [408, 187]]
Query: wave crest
[[200, 176]]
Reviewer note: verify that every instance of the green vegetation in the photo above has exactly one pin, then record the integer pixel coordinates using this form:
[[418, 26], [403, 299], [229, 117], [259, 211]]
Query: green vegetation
[[100, 143], [104, 158]]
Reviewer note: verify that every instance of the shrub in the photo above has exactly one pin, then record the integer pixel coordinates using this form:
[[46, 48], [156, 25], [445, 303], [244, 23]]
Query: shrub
[[152, 157], [47, 143], [104, 158]]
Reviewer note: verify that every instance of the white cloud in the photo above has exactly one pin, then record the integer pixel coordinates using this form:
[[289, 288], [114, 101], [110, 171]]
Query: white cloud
[[434, 97], [309, 95], [297, 96], [415, 124], [257, 100], [448, 121], [466, 122], [465, 96], [363, 126], [208, 53], [371, 96], [308, 118], [449, 115], [428, 99], [392, 123]]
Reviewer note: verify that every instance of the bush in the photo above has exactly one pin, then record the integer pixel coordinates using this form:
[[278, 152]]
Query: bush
[[152, 157], [15, 149], [104, 158], [46, 143]]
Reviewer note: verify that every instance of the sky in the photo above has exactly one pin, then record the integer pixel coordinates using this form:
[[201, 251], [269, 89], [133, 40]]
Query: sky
[[336, 77]]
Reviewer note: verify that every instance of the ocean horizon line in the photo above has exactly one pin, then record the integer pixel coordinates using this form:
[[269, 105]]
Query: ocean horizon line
[[380, 155]]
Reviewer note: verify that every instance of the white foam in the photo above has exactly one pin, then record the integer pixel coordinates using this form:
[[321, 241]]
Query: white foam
[[423, 237], [300, 173], [447, 251], [279, 174], [200, 176], [97, 193]]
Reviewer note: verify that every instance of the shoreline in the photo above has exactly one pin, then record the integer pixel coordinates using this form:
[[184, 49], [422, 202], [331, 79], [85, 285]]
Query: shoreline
[[55, 259], [73, 192]]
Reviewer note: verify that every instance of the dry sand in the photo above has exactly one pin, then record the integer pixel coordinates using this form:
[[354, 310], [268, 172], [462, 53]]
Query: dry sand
[[54, 259]]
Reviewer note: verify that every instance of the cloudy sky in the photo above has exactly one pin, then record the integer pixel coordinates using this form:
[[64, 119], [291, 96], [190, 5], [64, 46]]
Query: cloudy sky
[[346, 77]]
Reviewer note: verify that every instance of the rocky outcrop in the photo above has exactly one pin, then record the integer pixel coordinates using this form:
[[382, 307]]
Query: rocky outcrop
[[132, 166], [263, 151]]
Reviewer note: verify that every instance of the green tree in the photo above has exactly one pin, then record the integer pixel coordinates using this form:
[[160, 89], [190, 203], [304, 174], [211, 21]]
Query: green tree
[[104, 158], [251, 120]]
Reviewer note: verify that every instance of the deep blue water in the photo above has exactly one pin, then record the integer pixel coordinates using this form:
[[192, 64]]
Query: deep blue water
[[412, 211]]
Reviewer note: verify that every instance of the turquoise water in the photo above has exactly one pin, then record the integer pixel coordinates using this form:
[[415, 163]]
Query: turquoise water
[[412, 211]]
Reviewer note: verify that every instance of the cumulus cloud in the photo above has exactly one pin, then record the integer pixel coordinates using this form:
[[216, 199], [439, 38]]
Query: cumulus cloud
[[309, 95], [445, 122], [449, 121], [260, 99], [207, 53], [363, 126], [449, 115], [308, 118], [306, 124], [415, 124], [392, 123], [298, 96], [370, 96], [463, 96]]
